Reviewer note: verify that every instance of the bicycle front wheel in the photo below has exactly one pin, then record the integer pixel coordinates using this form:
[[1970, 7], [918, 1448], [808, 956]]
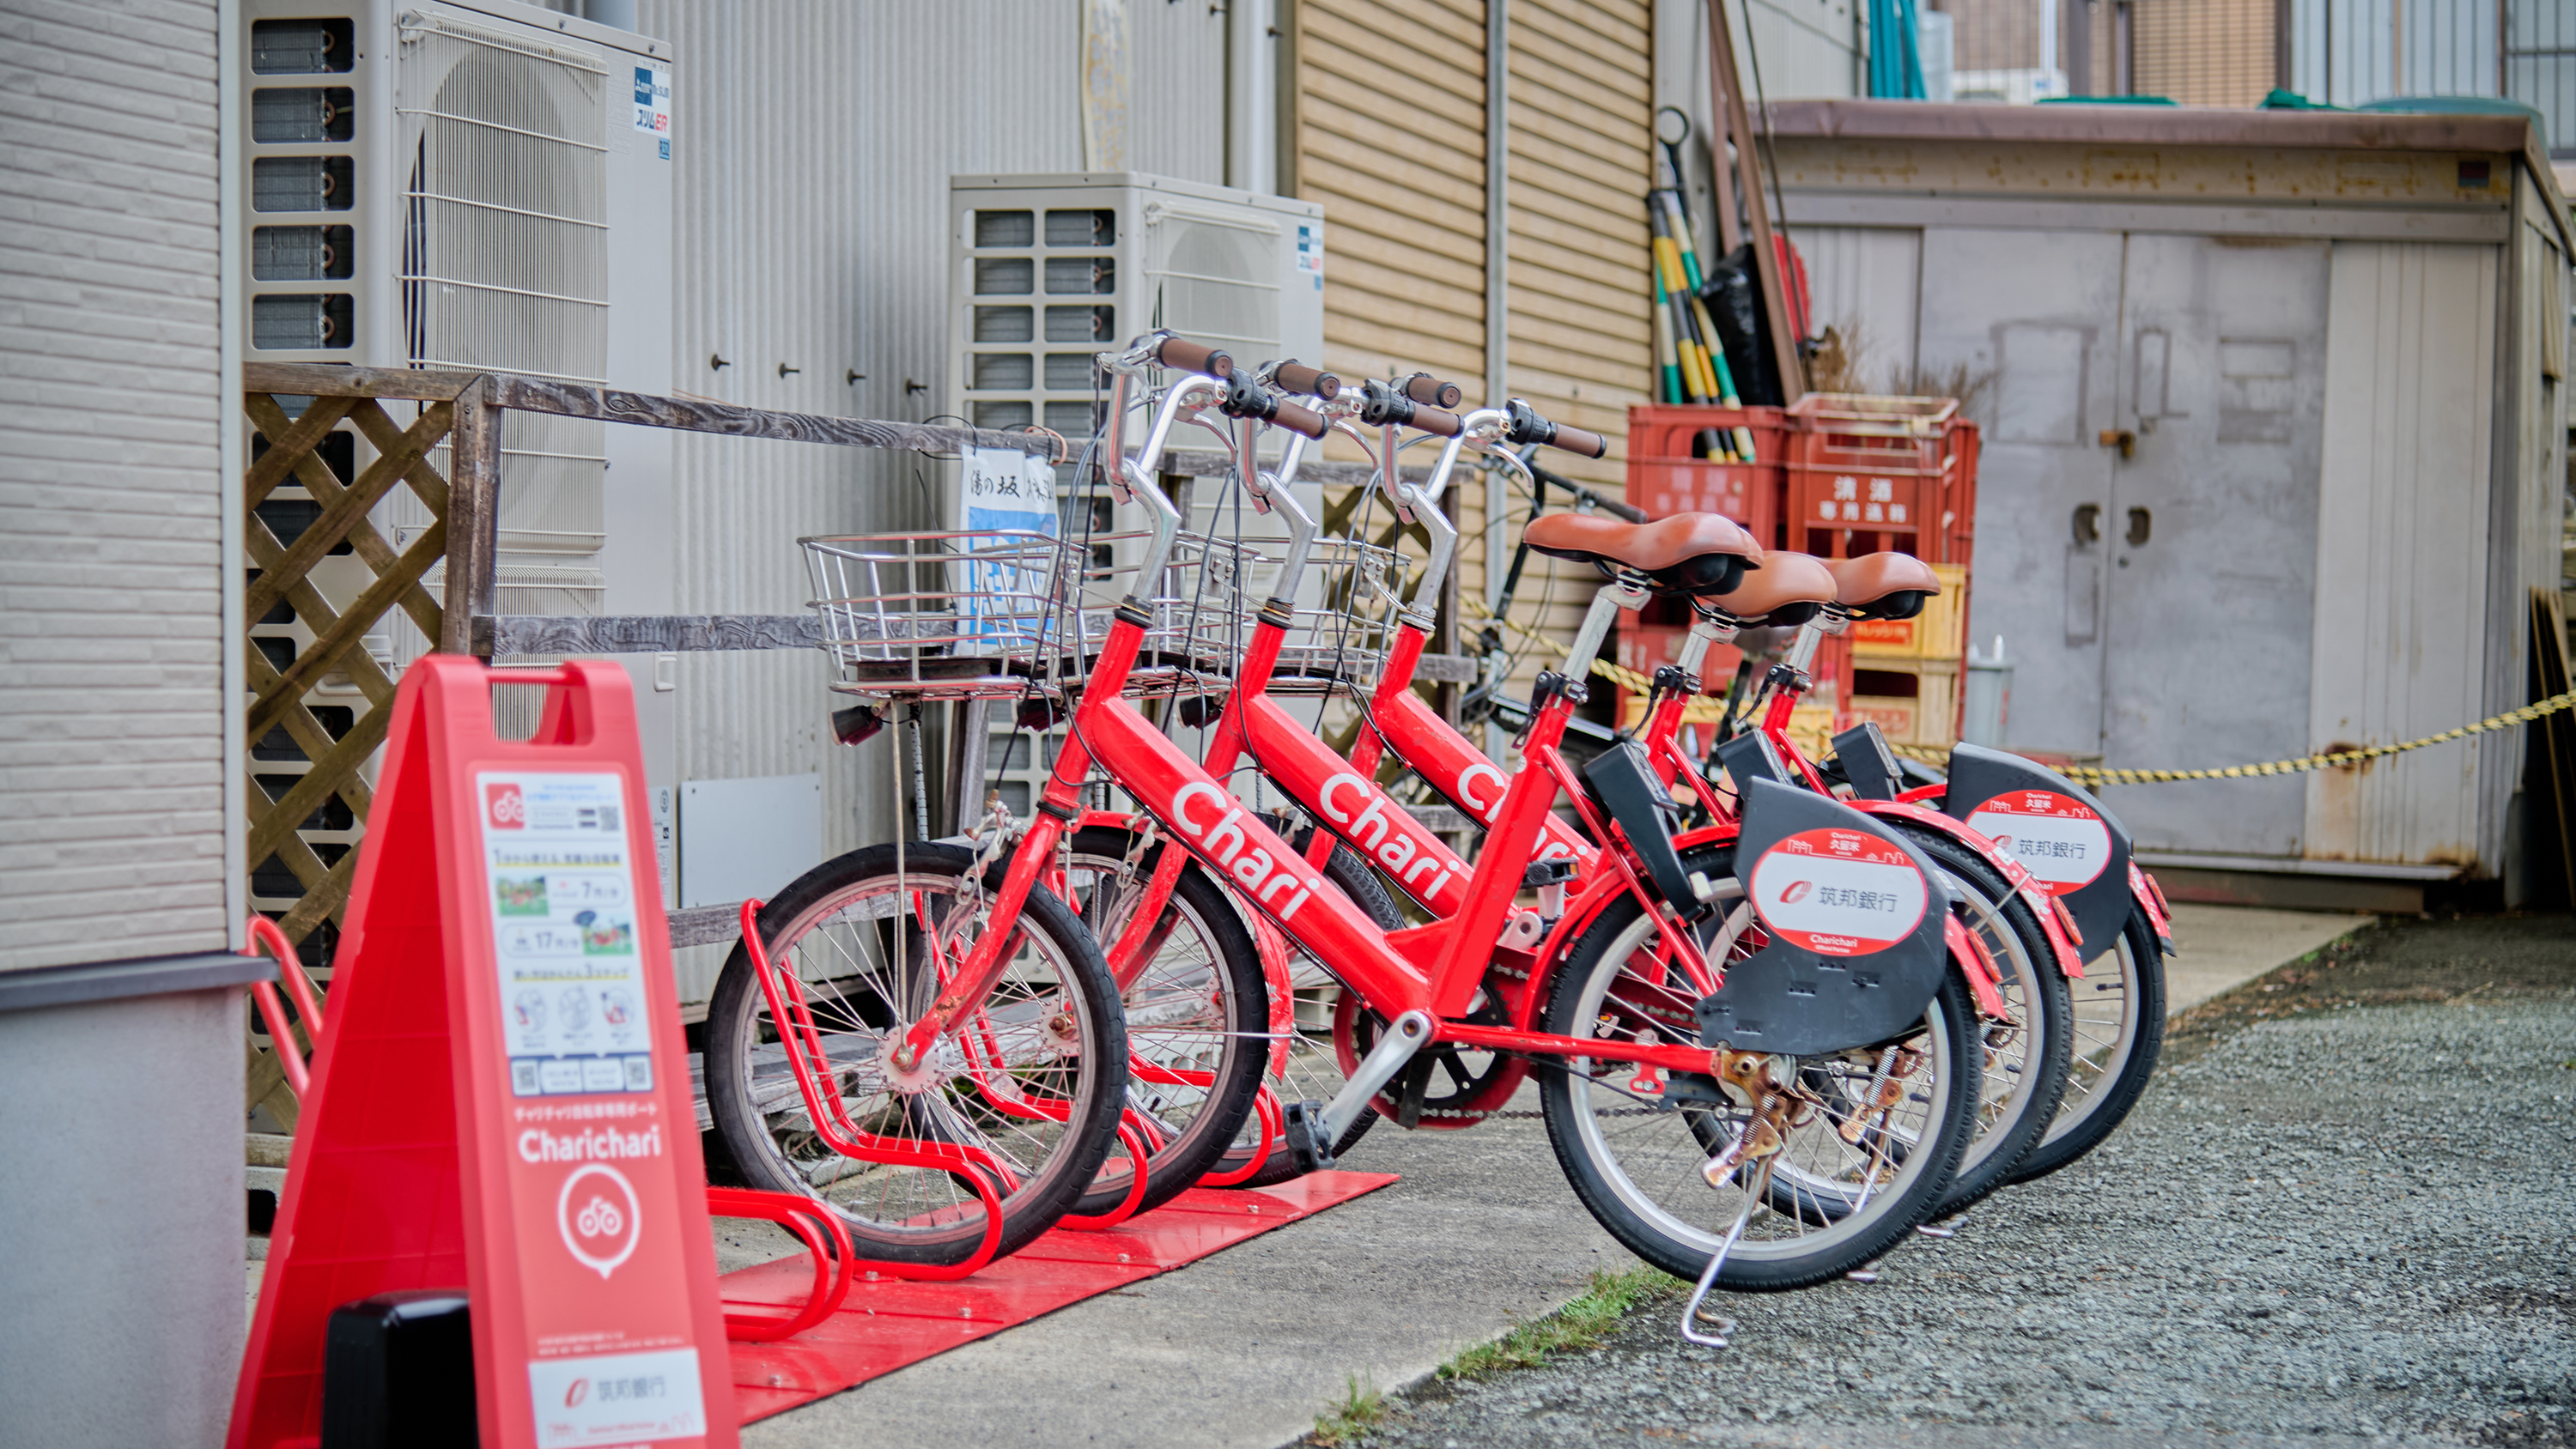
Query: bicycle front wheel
[[1035, 1078], [2119, 1033], [1867, 1152]]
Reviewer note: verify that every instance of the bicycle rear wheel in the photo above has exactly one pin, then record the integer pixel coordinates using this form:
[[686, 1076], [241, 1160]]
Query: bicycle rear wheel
[[2119, 1033], [1196, 1012], [2025, 1061], [1851, 1178], [1036, 1082]]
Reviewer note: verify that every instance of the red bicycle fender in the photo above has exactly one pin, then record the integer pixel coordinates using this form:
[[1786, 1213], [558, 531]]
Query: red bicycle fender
[[1273, 950], [1113, 819], [2151, 899], [1970, 953], [2052, 917], [1718, 834]]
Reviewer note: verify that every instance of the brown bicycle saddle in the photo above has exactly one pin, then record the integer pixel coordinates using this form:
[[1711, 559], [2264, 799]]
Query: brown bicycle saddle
[[1789, 590], [1688, 553], [1883, 585]]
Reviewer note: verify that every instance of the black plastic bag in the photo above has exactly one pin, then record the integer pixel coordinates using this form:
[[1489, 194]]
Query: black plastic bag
[[1734, 299]]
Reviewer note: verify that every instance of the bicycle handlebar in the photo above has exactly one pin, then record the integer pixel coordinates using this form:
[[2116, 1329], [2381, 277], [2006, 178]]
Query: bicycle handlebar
[[1301, 420], [1528, 427], [1387, 407], [1188, 356], [1422, 387], [1297, 377], [1247, 399]]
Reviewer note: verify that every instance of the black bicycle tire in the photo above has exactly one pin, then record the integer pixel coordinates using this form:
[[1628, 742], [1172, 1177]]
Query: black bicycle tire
[[1908, 1209], [2121, 1095], [1170, 1173], [1025, 1215], [1975, 1180]]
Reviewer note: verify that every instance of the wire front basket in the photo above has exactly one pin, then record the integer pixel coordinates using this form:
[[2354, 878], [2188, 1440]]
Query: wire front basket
[[997, 613], [1345, 618]]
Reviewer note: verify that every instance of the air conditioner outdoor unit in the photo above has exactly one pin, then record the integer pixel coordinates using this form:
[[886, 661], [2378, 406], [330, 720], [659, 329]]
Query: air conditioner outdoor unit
[[478, 185], [1047, 270]]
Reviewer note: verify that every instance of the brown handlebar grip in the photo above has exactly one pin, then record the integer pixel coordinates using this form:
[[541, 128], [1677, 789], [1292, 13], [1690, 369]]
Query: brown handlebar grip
[[1190, 356], [1422, 387], [1579, 442], [1299, 420], [1312, 381], [1436, 421]]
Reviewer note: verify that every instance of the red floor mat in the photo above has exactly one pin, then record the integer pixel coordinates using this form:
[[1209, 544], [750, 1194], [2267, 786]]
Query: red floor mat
[[887, 1324]]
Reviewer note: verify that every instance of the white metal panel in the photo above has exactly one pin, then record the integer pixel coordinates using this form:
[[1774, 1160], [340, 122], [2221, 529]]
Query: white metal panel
[[1805, 47], [2529, 512], [744, 839], [2402, 549], [2037, 315], [2211, 534], [811, 149], [112, 706], [1867, 284]]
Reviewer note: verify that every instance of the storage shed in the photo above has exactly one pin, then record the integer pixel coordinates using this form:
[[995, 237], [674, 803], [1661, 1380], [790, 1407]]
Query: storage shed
[[2275, 451]]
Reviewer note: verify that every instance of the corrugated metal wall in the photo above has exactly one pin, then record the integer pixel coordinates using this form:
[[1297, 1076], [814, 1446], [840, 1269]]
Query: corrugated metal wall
[[813, 144], [112, 707], [2353, 51], [2401, 635]]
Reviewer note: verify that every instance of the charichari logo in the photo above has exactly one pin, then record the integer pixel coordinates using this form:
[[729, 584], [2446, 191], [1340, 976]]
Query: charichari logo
[[507, 808]]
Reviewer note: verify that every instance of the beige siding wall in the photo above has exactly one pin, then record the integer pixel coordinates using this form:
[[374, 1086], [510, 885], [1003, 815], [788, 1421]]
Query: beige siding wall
[[1581, 329], [2203, 52], [111, 577], [1390, 137]]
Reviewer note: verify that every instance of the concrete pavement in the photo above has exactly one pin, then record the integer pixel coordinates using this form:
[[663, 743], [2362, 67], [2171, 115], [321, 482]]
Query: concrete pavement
[[1246, 1347]]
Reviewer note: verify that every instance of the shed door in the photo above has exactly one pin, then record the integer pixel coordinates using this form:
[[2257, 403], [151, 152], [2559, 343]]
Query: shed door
[[2211, 535], [2036, 316]]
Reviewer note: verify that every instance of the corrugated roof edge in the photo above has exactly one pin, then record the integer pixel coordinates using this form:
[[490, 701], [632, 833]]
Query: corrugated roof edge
[[1856, 120]]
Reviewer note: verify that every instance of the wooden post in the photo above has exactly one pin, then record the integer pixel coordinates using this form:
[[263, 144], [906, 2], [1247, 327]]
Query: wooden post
[[1757, 205], [473, 518]]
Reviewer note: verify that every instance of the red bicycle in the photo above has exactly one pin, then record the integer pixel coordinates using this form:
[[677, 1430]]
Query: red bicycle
[[2026, 1038], [1689, 1113], [2061, 1074]]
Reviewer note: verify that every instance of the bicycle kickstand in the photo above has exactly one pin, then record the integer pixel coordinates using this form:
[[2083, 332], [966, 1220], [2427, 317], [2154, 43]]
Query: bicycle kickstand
[[1717, 1263]]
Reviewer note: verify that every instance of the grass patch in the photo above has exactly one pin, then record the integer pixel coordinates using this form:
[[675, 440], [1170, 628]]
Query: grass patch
[[1581, 1324], [1362, 1408]]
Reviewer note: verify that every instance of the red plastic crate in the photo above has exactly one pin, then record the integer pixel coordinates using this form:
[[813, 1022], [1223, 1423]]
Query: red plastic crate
[[1664, 479], [1871, 473]]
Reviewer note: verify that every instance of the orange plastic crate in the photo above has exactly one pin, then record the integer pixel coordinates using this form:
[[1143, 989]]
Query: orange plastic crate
[[1872, 473], [1664, 479]]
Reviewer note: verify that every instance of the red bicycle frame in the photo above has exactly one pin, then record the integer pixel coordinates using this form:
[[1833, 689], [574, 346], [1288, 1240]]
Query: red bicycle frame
[[1434, 969]]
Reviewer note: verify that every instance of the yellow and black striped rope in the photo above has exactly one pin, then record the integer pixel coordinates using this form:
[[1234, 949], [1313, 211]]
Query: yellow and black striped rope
[[2090, 775], [1707, 710]]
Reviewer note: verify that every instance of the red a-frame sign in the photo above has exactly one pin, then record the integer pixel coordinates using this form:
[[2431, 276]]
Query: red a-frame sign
[[502, 1098]]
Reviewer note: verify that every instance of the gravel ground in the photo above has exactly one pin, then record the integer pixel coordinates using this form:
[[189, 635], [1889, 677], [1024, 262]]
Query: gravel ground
[[2340, 1215]]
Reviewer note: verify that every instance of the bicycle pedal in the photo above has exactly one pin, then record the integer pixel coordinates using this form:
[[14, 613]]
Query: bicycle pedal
[[1310, 1139]]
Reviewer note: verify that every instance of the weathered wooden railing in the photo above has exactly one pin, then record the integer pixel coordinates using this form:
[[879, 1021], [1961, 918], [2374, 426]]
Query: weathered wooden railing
[[463, 409]]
